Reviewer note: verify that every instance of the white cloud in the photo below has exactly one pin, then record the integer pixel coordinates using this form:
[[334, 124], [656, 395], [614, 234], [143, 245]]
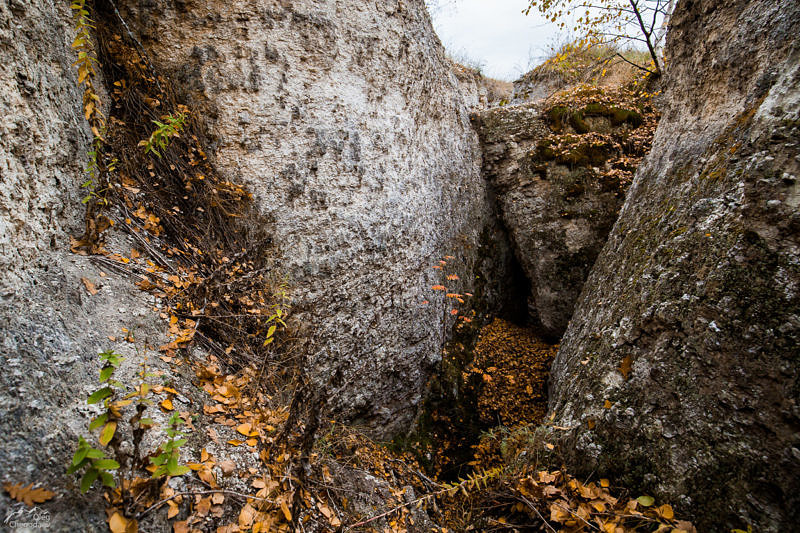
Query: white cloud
[[495, 34]]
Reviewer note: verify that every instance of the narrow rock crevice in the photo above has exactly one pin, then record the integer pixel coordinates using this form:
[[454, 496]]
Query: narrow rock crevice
[[559, 170]]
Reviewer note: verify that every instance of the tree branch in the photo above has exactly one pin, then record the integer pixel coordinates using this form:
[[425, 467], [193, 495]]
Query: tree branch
[[625, 59], [652, 50]]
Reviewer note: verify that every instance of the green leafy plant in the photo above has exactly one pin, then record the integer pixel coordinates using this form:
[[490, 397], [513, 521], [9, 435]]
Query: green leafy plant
[[86, 73], [167, 459], [86, 61], [107, 394], [93, 170], [94, 463], [165, 131], [278, 314], [99, 165]]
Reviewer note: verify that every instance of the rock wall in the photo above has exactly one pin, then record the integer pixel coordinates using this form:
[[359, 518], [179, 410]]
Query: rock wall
[[478, 91], [345, 121], [51, 328], [689, 324], [532, 87]]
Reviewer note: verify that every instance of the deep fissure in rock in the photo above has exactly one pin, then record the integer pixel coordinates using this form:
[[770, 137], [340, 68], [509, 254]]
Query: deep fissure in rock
[[558, 173]]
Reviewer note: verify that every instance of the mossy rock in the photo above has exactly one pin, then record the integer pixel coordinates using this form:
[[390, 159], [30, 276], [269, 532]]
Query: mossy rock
[[545, 151], [559, 116], [578, 122], [596, 109], [585, 154], [625, 116], [556, 118]]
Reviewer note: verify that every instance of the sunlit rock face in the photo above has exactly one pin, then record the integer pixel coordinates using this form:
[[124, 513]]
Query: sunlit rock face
[[689, 324], [345, 121]]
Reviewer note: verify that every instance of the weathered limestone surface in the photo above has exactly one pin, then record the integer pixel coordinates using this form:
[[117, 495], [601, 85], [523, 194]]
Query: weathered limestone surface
[[51, 329], [698, 287], [345, 121], [478, 91]]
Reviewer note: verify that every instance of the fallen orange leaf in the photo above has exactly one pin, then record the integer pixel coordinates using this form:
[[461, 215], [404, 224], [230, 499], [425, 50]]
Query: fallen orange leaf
[[27, 495], [625, 366], [246, 429], [173, 510], [90, 287], [246, 516], [666, 511], [286, 512], [203, 506], [119, 524]]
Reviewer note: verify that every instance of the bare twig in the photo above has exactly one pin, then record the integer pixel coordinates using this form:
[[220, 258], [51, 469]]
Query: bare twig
[[625, 59], [201, 492], [139, 48], [527, 502], [647, 35], [575, 515]]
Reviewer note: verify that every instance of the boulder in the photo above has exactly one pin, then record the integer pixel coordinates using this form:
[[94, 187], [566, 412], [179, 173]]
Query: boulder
[[559, 171], [679, 370]]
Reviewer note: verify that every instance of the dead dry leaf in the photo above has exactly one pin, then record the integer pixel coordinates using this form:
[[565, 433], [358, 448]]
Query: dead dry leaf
[[28, 495], [117, 523], [286, 512], [625, 366], [227, 466], [246, 516], [203, 506], [90, 287]]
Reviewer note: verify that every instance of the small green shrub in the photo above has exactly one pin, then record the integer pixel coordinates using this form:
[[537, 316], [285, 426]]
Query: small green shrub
[[160, 138], [167, 459], [94, 463], [278, 314]]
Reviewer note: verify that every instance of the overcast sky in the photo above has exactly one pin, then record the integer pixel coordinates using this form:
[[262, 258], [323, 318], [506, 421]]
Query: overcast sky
[[493, 33]]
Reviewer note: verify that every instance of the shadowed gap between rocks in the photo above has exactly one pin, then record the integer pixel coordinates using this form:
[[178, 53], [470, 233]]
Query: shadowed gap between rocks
[[494, 373]]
